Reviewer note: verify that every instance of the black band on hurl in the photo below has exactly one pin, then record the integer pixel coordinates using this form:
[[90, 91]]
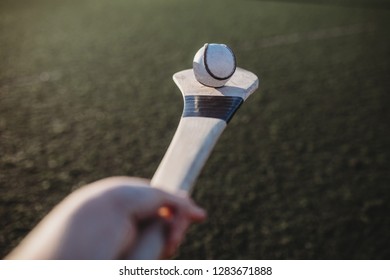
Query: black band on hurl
[[206, 46], [219, 107]]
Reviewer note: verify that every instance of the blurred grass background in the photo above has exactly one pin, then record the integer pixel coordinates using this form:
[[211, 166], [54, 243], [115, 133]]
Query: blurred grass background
[[302, 171]]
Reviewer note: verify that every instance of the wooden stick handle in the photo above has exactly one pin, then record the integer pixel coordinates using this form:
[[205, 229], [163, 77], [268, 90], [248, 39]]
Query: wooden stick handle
[[191, 145]]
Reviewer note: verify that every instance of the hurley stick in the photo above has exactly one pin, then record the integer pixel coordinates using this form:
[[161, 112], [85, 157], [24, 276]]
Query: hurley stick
[[206, 113]]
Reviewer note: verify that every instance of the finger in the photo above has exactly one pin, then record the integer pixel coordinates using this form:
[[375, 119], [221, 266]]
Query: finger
[[176, 235], [195, 212], [179, 224], [157, 199]]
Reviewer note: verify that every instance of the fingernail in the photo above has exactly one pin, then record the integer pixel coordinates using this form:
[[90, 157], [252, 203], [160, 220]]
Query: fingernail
[[165, 213]]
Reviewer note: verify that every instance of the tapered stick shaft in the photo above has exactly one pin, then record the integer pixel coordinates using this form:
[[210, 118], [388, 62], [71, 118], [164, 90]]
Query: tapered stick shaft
[[190, 147]]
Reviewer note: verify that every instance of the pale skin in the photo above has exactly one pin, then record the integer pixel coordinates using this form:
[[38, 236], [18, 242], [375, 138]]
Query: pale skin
[[103, 220]]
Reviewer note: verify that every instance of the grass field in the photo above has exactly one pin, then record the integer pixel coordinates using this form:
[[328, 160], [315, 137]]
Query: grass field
[[302, 171]]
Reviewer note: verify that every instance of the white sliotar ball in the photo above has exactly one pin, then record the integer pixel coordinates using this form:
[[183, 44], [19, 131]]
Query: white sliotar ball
[[214, 64]]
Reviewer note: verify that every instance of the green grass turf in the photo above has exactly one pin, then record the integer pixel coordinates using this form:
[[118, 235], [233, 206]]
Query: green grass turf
[[301, 172]]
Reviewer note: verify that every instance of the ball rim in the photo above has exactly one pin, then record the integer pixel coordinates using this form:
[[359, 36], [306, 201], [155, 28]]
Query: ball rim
[[208, 69]]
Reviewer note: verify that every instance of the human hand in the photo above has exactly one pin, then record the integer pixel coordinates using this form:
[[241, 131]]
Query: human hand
[[104, 219]]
